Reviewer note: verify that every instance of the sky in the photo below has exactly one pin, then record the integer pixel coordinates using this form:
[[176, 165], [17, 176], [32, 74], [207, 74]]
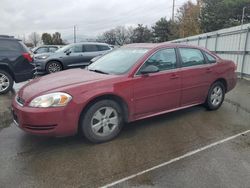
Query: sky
[[91, 17]]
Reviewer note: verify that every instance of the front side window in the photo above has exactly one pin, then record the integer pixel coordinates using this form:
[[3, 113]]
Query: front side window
[[191, 57], [90, 48], [163, 59], [76, 49]]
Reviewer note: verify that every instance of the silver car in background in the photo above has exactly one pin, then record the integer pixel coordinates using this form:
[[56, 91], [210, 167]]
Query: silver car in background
[[70, 56]]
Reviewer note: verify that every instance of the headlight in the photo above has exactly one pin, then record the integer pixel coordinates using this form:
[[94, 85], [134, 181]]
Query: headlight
[[51, 100], [42, 57]]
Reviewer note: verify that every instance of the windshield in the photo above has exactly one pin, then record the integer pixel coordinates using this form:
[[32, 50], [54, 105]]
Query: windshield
[[64, 49], [118, 62]]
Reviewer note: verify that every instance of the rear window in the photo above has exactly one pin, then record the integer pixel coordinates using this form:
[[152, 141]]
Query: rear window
[[12, 45]]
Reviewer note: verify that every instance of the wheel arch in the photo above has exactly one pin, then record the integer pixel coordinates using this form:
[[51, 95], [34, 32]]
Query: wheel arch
[[223, 81], [8, 70], [110, 96]]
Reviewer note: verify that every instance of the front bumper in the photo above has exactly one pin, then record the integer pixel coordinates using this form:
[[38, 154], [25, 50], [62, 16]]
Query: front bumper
[[40, 66], [57, 122]]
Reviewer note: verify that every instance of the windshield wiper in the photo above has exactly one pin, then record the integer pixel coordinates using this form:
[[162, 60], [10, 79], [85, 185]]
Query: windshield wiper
[[98, 71]]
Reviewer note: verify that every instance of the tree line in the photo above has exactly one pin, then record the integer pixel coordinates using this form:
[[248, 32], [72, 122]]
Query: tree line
[[190, 19]]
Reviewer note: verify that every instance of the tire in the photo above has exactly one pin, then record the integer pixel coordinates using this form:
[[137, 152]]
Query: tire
[[6, 82], [215, 96], [53, 66], [106, 117]]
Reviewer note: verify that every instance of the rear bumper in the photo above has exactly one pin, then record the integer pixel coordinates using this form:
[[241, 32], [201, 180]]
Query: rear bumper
[[24, 76], [57, 122]]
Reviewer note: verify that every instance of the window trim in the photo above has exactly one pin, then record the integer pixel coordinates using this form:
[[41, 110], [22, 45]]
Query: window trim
[[165, 48], [208, 62], [180, 58]]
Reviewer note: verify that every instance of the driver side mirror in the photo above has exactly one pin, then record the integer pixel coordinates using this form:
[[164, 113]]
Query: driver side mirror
[[68, 52], [150, 69]]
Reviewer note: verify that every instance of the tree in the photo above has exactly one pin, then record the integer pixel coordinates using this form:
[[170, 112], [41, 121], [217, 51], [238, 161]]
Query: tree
[[161, 30], [141, 34], [188, 19], [219, 14], [118, 36], [34, 38], [122, 35], [56, 39], [108, 37], [47, 39]]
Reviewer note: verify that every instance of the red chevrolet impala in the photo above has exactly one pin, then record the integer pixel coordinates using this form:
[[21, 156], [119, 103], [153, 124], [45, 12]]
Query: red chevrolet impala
[[131, 83]]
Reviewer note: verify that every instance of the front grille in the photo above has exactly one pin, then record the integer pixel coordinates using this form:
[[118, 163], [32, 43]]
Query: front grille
[[20, 101]]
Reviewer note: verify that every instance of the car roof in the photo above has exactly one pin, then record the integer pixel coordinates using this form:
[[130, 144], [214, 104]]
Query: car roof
[[7, 37], [159, 45], [93, 43]]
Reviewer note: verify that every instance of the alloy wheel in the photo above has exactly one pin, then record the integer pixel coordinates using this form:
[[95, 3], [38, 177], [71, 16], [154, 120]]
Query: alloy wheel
[[4, 82], [104, 121]]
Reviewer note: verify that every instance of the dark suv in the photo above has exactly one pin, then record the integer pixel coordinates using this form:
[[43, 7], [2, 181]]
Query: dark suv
[[15, 63], [70, 56]]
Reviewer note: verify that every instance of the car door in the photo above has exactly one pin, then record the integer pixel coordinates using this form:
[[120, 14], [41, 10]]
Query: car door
[[196, 76], [74, 56], [159, 91], [90, 51]]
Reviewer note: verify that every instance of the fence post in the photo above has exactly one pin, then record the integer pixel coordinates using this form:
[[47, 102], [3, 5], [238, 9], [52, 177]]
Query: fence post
[[244, 53], [206, 42], [216, 40]]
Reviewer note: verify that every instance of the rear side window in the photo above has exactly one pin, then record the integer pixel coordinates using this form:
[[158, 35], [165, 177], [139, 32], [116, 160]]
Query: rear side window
[[42, 50], [191, 57], [90, 48], [103, 48], [210, 58], [11, 45]]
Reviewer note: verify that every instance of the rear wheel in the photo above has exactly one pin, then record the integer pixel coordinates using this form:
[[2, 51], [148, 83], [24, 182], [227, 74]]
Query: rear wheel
[[53, 66], [215, 96], [6, 82], [102, 121]]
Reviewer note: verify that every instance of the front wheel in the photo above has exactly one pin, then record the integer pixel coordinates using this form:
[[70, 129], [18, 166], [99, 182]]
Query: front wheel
[[102, 121], [6, 82], [53, 66], [215, 96]]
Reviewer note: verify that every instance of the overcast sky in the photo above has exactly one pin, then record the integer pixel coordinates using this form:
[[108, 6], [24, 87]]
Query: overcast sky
[[92, 17]]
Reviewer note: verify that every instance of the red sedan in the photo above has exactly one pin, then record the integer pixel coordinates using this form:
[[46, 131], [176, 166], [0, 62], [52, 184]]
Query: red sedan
[[131, 83]]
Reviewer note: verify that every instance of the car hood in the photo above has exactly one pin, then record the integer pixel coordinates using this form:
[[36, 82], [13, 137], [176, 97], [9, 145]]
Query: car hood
[[59, 81]]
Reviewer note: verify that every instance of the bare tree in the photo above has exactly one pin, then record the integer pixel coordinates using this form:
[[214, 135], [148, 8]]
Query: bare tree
[[34, 38]]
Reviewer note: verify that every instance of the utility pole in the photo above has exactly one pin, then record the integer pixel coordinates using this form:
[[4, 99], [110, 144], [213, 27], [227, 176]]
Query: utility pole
[[74, 33], [173, 10]]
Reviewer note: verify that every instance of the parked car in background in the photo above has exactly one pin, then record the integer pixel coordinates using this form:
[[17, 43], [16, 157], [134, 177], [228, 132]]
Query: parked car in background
[[45, 49], [70, 56], [131, 83], [15, 63]]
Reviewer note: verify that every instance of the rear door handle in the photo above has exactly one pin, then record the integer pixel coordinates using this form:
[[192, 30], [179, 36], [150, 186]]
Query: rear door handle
[[174, 76], [208, 70]]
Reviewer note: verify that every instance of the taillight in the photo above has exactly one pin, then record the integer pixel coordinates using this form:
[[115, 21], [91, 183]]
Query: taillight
[[28, 57]]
